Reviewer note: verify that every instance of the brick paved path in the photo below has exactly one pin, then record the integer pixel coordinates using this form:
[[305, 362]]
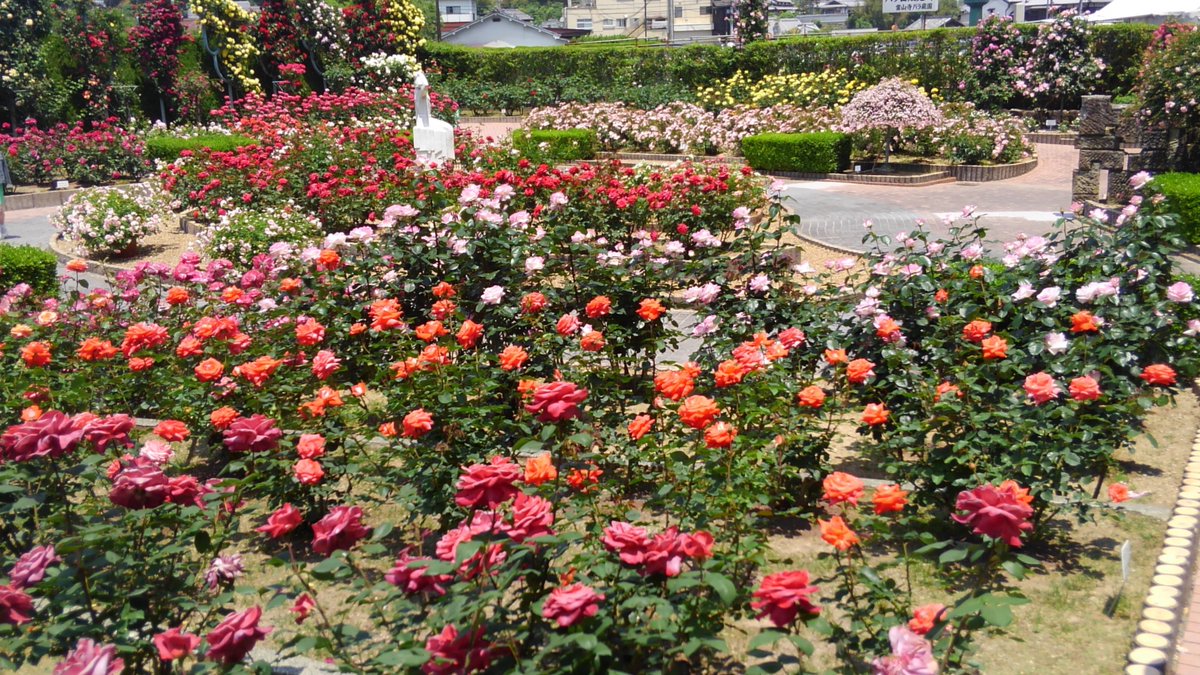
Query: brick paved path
[[1187, 649]]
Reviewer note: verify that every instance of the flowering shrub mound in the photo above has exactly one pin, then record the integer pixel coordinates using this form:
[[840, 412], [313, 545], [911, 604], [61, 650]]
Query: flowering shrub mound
[[891, 104], [828, 88], [452, 437], [1168, 92], [110, 220], [1060, 64], [88, 154], [241, 235]]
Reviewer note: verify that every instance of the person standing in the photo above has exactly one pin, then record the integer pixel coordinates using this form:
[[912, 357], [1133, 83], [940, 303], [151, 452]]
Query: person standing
[[5, 181]]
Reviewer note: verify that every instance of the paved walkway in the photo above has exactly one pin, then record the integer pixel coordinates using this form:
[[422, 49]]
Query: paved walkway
[[834, 213]]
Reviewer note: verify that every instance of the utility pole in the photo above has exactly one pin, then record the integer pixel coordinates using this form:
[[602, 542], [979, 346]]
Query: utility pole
[[670, 22]]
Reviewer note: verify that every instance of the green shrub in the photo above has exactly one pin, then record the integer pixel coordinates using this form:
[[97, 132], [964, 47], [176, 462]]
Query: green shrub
[[802, 153], [561, 146], [168, 148], [1182, 192], [30, 265]]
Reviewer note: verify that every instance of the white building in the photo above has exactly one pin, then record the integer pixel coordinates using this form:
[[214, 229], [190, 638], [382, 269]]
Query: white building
[[684, 19], [457, 11], [502, 30]]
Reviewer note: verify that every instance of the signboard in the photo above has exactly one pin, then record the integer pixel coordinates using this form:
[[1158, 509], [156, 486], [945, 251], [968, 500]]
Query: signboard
[[902, 6]]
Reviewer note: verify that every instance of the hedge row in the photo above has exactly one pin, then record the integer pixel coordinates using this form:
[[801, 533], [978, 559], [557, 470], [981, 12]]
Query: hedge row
[[30, 265], [939, 58], [800, 153], [556, 146], [1182, 192], [168, 148]]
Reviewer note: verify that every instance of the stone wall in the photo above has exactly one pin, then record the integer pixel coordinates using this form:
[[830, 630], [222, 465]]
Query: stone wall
[[1112, 147]]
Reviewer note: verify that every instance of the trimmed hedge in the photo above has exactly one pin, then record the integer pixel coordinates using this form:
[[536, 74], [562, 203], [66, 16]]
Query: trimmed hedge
[[28, 264], [168, 148], [529, 76], [827, 152], [1182, 192], [560, 146]]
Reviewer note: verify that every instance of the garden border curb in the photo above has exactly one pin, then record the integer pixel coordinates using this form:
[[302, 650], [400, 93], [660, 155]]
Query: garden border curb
[[1163, 618], [93, 265], [39, 200]]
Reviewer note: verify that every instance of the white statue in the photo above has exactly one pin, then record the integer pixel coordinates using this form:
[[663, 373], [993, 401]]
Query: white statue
[[433, 139]]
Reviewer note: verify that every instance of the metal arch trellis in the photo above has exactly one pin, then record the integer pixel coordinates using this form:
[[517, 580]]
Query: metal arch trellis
[[216, 61]]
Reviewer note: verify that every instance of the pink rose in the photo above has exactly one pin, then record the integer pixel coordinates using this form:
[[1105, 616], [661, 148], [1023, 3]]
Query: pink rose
[[173, 644], [532, 517], [340, 530], [103, 431], [16, 607], [234, 637], [141, 485], [252, 434], [911, 655], [568, 604], [784, 595], [627, 541], [454, 653], [412, 578], [89, 658], [994, 513], [482, 522], [488, 484], [285, 519], [53, 435], [324, 364], [556, 402], [1041, 387], [184, 490], [30, 569]]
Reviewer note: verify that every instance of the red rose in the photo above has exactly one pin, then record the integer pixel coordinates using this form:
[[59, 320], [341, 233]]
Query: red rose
[[1159, 374], [252, 434], [783, 595], [233, 639], [340, 530], [173, 644], [488, 484], [994, 513], [556, 402], [285, 519], [568, 604]]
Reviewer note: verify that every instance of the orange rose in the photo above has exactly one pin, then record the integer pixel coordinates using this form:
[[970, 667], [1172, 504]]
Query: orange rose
[[442, 309], [77, 265], [223, 417], [417, 423], [95, 349], [540, 469], [698, 411], [209, 370], [674, 384], [835, 356], [35, 354], [926, 617], [468, 334], [232, 294], [1084, 322], [20, 331], [720, 435], [811, 396], [358, 328], [584, 480], [995, 347], [651, 309], [729, 373], [329, 260], [178, 295], [444, 290], [385, 314], [532, 303], [172, 430], [640, 426], [1118, 492], [836, 534], [592, 342], [388, 430], [32, 413], [290, 285], [976, 272], [889, 499], [308, 472], [946, 388], [598, 307], [859, 371], [976, 330], [258, 370], [1158, 374], [138, 364], [941, 296], [430, 331], [188, 347], [513, 357], [875, 414], [842, 487], [886, 328]]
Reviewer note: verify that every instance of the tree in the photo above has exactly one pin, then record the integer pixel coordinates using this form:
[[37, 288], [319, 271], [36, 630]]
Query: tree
[[156, 40]]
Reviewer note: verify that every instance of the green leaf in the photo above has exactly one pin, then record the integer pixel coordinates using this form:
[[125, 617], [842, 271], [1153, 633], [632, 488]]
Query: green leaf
[[953, 555], [723, 586], [997, 615], [767, 637]]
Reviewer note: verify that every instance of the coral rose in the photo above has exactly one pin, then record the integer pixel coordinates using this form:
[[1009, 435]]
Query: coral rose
[[568, 324], [36, 354], [977, 330], [94, 349], [285, 519], [1118, 492], [174, 644], [675, 384], [310, 446], [487, 485], [171, 430], [926, 617], [308, 472], [598, 306], [784, 595], [1041, 388], [1084, 388], [1158, 374], [889, 499], [811, 396], [995, 348], [835, 533], [221, 418], [430, 331], [640, 426], [875, 414], [835, 356], [698, 412], [310, 333], [994, 513], [513, 357], [209, 370], [568, 604], [468, 334], [339, 530], [556, 402], [417, 423], [729, 373], [592, 342], [859, 371], [842, 487], [234, 637], [720, 435]]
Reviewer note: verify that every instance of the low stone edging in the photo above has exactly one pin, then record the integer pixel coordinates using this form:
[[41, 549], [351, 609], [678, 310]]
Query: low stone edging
[[1163, 613], [39, 200]]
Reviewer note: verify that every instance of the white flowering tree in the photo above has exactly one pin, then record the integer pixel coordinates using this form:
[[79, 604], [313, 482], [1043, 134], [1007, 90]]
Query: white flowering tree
[[891, 107]]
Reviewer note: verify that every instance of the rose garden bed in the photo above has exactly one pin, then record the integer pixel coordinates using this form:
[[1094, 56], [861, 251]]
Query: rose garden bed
[[449, 441]]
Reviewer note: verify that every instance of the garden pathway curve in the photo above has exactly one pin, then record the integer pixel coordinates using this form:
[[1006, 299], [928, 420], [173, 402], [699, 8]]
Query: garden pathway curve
[[833, 213]]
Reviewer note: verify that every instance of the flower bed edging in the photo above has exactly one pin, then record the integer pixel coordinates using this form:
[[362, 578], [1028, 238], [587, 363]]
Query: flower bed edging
[[39, 200], [1163, 622], [57, 247]]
